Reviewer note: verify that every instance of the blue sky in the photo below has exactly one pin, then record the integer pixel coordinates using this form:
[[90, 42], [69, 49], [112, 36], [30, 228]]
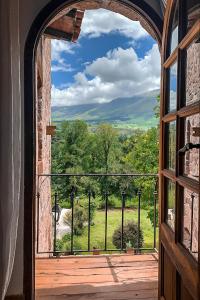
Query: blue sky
[[114, 57]]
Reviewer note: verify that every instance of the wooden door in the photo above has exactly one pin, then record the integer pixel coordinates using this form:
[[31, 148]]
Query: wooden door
[[179, 266]]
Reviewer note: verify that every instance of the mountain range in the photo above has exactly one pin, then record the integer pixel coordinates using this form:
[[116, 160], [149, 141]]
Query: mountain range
[[137, 110]]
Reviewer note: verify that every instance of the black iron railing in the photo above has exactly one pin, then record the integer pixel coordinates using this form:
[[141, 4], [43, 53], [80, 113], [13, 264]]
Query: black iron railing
[[66, 189]]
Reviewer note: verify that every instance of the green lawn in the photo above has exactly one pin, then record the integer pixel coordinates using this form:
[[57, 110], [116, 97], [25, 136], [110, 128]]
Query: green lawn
[[114, 220]]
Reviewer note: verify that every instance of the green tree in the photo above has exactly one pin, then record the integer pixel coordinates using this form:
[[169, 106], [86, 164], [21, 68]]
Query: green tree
[[106, 141], [68, 151], [143, 157]]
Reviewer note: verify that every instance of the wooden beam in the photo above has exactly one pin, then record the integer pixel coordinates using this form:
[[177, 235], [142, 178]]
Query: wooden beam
[[67, 27], [58, 34]]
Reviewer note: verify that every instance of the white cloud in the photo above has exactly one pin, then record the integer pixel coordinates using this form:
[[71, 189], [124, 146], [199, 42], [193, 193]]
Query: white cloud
[[61, 66], [58, 48], [101, 21], [95, 23], [119, 74]]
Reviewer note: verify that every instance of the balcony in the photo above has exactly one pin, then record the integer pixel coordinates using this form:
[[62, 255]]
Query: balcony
[[109, 277], [86, 262]]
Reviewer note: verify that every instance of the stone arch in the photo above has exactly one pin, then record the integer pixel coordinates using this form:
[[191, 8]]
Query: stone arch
[[135, 10]]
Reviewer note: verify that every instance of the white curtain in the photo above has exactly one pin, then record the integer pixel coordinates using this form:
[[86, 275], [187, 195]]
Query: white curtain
[[10, 137]]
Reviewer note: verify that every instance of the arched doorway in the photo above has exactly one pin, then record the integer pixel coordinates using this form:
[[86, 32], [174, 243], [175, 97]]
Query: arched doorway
[[179, 193], [150, 19]]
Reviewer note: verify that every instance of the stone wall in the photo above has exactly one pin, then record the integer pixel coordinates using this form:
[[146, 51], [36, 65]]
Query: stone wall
[[43, 115]]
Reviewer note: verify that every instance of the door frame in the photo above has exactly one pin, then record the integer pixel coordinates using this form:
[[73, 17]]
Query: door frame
[[36, 29], [174, 247]]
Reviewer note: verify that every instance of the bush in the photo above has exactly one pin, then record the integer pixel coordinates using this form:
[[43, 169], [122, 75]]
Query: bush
[[66, 238], [64, 244], [59, 245], [130, 235], [80, 217]]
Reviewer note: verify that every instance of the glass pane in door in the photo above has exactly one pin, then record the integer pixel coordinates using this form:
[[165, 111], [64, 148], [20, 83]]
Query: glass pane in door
[[190, 222], [172, 88], [174, 35], [192, 135], [170, 204], [171, 148], [193, 73]]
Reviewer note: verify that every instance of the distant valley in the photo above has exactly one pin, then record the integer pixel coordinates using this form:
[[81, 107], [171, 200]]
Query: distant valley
[[124, 113]]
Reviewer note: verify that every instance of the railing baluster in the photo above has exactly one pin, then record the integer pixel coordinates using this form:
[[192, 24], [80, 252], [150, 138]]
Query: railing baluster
[[89, 218], [122, 231], [55, 221], [138, 231], [106, 218], [155, 218], [72, 221]]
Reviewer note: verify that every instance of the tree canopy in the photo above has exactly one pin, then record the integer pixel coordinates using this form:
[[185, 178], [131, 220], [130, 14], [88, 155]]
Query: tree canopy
[[78, 149]]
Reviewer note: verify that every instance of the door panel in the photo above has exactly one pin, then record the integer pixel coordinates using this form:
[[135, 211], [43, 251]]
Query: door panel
[[184, 294], [169, 279], [180, 153], [190, 222]]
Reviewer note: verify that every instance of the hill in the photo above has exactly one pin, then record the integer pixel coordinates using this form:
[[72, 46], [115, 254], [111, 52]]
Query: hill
[[136, 111]]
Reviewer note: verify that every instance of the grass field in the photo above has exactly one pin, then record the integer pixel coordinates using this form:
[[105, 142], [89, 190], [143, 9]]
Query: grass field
[[97, 231]]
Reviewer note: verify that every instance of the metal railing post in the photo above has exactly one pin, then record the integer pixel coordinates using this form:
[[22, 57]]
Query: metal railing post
[[89, 218], [72, 221], [138, 230], [106, 218], [55, 203], [122, 229], [155, 218]]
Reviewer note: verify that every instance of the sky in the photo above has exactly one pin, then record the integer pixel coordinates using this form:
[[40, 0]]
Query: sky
[[113, 57]]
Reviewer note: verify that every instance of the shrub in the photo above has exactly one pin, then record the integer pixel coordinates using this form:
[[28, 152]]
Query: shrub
[[80, 217], [130, 235], [64, 244], [66, 238], [59, 245]]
